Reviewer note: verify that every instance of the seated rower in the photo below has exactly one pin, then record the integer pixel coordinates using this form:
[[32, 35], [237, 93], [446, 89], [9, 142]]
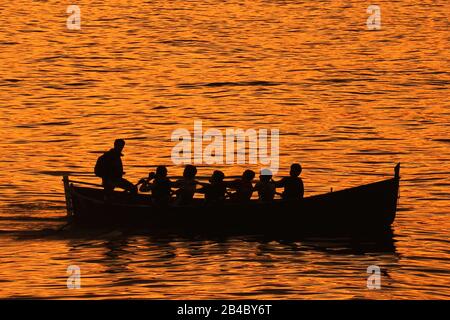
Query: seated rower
[[243, 187], [160, 187], [187, 186], [293, 185], [265, 186], [215, 190]]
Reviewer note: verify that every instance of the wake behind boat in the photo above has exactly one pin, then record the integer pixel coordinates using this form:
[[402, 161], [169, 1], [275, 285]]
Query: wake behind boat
[[367, 208]]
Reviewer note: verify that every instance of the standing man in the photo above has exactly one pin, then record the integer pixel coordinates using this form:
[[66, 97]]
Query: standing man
[[109, 167]]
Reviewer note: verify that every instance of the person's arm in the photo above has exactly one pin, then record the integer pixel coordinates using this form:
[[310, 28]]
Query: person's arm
[[145, 185], [203, 188], [230, 186], [202, 183], [176, 184], [280, 183], [145, 188]]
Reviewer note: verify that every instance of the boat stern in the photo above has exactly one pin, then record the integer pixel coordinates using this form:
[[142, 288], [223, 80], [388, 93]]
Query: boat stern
[[68, 196]]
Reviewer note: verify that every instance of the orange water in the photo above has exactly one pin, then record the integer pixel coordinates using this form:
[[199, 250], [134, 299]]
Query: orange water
[[349, 104]]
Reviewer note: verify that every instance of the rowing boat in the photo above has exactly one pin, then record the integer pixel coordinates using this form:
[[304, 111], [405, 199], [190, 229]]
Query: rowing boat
[[362, 209]]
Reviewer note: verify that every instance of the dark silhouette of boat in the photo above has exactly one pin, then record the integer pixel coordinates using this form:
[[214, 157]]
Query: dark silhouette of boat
[[369, 208]]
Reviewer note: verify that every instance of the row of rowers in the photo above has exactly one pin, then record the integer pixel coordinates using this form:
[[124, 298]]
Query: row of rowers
[[164, 190]]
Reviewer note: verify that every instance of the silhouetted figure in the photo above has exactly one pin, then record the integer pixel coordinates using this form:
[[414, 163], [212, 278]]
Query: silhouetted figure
[[160, 187], [145, 184], [187, 186], [243, 187], [265, 186], [215, 190], [293, 185], [109, 167]]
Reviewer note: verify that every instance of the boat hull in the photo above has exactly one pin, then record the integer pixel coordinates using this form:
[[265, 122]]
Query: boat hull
[[363, 209]]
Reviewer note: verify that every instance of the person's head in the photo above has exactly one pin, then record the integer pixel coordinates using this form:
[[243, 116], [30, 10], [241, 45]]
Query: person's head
[[161, 171], [119, 144], [248, 175], [266, 175], [189, 172], [296, 169], [217, 176]]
